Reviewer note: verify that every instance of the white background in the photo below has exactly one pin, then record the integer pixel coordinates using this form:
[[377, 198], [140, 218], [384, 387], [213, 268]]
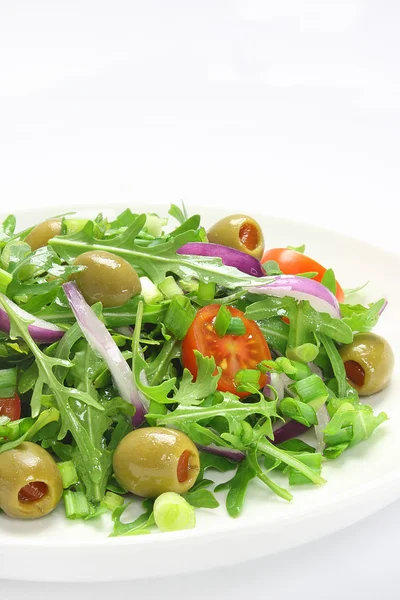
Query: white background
[[290, 106]]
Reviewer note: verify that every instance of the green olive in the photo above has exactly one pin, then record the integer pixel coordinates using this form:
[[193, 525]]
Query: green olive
[[369, 363], [30, 482], [42, 233], [107, 278], [154, 460], [240, 232]]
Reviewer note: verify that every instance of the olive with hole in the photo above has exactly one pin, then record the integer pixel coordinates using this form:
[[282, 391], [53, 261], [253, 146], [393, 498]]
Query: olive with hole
[[30, 482], [154, 460], [240, 232], [108, 278], [41, 234], [369, 363]]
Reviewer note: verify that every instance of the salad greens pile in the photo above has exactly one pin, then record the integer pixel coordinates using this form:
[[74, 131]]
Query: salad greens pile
[[73, 407]]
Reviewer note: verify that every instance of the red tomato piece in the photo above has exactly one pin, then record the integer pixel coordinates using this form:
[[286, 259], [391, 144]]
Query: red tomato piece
[[10, 407], [231, 352], [292, 262]]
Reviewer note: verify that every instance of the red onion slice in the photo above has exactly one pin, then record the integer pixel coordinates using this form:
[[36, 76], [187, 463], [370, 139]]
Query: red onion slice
[[41, 331], [323, 420], [301, 288], [230, 256], [230, 453], [289, 430], [104, 346], [383, 307]]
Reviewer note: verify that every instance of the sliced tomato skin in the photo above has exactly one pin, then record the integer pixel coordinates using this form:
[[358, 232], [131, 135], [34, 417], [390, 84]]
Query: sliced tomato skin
[[10, 407], [292, 262], [230, 352]]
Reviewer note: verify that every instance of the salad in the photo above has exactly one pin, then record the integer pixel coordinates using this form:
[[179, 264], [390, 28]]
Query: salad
[[137, 358]]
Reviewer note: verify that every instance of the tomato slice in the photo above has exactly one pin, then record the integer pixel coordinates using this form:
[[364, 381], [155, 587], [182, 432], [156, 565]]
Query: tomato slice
[[292, 262], [10, 407], [231, 352]]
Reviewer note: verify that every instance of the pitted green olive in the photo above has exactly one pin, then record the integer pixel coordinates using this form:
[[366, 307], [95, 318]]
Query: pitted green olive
[[154, 460], [42, 233], [240, 232], [107, 278], [369, 363], [30, 482]]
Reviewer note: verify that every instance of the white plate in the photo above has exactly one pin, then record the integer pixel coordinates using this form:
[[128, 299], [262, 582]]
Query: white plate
[[362, 481]]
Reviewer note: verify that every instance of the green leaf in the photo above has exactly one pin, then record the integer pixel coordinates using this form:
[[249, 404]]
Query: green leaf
[[329, 281], [276, 332], [361, 318], [270, 307], [156, 393], [231, 408], [155, 260], [178, 213], [193, 392], [300, 249], [262, 475], [201, 499], [237, 487], [337, 365], [7, 228], [212, 461], [139, 526]]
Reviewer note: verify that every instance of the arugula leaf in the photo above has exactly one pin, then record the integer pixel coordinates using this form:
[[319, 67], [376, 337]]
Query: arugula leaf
[[300, 249], [212, 461], [201, 498], [276, 332], [139, 526], [362, 318], [7, 228], [277, 489], [270, 307], [237, 487], [337, 366], [193, 392], [155, 260], [156, 393], [116, 411], [231, 408], [178, 213], [304, 320], [329, 280]]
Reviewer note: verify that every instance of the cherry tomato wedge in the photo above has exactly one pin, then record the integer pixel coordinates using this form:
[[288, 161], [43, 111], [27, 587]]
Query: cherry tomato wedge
[[231, 352], [10, 407], [292, 262]]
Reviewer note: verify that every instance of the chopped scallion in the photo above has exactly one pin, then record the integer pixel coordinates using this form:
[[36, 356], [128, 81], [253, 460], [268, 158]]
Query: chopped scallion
[[222, 321], [76, 505], [305, 353], [173, 513], [206, 292], [179, 316], [236, 327], [170, 288], [112, 500], [5, 279], [68, 472]]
